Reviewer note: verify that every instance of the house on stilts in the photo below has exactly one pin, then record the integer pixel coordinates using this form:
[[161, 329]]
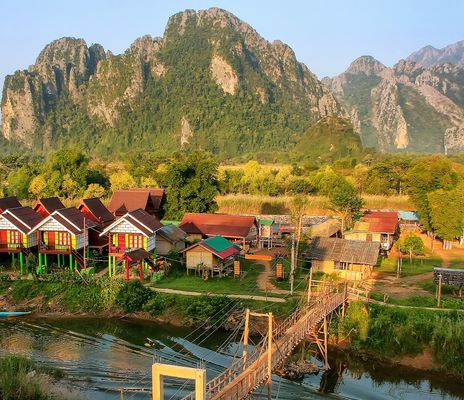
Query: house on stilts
[[9, 202], [132, 239], [16, 236], [63, 234], [96, 211]]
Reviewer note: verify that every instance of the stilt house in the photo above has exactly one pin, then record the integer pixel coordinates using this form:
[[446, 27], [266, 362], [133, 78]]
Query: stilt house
[[63, 233], [150, 200], [96, 211], [16, 236], [134, 230]]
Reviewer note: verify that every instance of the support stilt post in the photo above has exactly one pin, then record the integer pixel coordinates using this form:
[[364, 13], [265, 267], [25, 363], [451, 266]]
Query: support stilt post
[[59, 261], [21, 262], [246, 333], [439, 290], [140, 271], [269, 359], [39, 270], [127, 270], [46, 263], [70, 262], [109, 266], [326, 333], [310, 283], [12, 259]]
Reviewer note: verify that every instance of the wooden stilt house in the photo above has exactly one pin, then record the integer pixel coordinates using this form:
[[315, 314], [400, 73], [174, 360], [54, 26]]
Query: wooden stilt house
[[133, 231], [46, 205], [16, 235], [96, 211], [64, 233]]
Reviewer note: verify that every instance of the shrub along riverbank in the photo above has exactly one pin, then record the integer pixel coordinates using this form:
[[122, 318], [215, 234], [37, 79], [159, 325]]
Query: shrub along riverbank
[[394, 333], [21, 379]]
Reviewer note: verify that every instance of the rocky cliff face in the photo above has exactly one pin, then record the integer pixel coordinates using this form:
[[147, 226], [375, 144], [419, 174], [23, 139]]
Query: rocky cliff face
[[407, 107], [210, 71]]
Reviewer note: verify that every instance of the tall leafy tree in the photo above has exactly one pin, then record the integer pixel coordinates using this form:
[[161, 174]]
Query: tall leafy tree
[[427, 175], [191, 183], [347, 202]]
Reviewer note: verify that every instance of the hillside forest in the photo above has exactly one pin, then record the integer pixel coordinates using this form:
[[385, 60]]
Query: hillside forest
[[433, 184]]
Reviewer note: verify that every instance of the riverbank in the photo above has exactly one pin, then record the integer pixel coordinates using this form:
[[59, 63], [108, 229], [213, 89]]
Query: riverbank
[[422, 339]]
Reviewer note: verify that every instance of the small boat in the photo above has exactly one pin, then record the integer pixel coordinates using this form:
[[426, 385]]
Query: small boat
[[13, 313]]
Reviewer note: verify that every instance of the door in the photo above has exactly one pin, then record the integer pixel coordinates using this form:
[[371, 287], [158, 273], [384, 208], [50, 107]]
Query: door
[[51, 239], [3, 238], [369, 237], [121, 241]]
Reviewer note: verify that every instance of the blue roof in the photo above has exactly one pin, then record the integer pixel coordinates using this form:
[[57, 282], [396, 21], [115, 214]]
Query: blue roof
[[409, 215]]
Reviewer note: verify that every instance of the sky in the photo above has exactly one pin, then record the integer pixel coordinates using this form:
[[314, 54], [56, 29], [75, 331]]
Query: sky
[[326, 35]]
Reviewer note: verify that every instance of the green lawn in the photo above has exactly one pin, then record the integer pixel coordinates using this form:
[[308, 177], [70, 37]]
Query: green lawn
[[418, 265], [225, 285]]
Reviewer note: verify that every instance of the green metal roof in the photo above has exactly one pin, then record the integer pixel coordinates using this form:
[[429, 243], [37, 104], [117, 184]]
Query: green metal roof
[[218, 243], [265, 221]]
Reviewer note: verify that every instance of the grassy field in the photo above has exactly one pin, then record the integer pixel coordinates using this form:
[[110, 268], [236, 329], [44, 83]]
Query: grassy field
[[417, 267], [315, 205]]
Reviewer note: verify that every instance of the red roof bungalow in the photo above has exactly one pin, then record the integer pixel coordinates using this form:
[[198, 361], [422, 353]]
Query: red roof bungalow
[[9, 202], [16, 235], [212, 254], [376, 226], [238, 228], [134, 230], [46, 205], [150, 199], [64, 232], [96, 211]]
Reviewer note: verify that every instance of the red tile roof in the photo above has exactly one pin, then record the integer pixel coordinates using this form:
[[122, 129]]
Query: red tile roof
[[236, 226], [148, 199], [9, 202]]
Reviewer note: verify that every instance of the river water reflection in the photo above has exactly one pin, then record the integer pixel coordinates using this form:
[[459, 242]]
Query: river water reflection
[[100, 356]]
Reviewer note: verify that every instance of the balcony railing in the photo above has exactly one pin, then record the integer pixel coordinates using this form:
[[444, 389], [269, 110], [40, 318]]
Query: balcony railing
[[10, 246], [55, 247]]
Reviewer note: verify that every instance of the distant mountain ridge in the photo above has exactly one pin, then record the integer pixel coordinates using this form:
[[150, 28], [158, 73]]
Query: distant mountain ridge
[[212, 82], [405, 108], [429, 55]]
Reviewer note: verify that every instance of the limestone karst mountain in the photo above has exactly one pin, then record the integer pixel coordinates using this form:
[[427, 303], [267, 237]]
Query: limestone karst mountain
[[212, 82]]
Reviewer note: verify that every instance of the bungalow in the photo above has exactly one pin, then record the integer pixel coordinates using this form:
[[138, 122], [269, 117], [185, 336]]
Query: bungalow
[[96, 211], [15, 232], [237, 228], [268, 230], [63, 232], [47, 205], [210, 255], [409, 220], [9, 202], [331, 227], [134, 230], [376, 226], [150, 199], [352, 259], [170, 238]]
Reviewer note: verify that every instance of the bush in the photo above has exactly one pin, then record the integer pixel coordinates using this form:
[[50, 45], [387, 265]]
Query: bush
[[156, 306], [209, 308], [133, 296]]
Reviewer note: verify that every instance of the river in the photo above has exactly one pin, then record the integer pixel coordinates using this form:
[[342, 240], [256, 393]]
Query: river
[[100, 356]]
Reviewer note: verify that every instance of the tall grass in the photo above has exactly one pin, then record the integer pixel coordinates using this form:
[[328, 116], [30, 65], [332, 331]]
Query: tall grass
[[315, 205], [18, 381]]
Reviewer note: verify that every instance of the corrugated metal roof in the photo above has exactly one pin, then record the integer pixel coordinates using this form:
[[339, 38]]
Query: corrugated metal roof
[[217, 245], [350, 251], [217, 224], [172, 233], [50, 204], [98, 209], [123, 201], [9, 202], [24, 218], [409, 215], [265, 221], [326, 229]]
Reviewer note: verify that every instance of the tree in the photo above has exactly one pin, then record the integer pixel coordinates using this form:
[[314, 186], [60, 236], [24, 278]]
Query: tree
[[191, 183], [38, 186], [413, 245], [447, 213], [347, 202], [18, 182], [94, 190], [122, 180], [427, 175]]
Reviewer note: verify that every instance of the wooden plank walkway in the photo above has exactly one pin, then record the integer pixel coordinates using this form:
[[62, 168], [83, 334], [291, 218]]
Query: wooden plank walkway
[[245, 376]]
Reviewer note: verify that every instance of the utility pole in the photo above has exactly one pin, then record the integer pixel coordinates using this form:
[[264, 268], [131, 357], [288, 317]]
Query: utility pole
[[246, 333], [310, 284], [269, 359], [85, 246], [292, 265]]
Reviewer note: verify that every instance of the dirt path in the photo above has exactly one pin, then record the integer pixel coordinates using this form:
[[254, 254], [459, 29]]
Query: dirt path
[[264, 280], [231, 296]]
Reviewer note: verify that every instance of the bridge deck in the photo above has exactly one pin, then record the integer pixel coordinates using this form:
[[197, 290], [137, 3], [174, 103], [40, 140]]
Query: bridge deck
[[245, 376]]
